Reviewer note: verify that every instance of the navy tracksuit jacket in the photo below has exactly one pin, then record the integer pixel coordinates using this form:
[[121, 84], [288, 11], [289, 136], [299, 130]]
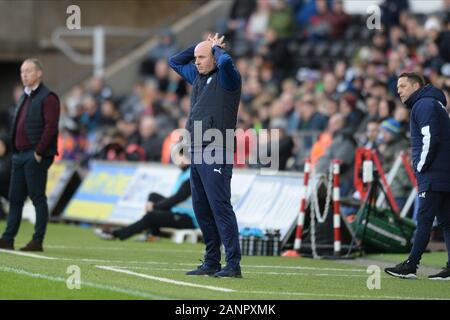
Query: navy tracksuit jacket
[[214, 103], [430, 153]]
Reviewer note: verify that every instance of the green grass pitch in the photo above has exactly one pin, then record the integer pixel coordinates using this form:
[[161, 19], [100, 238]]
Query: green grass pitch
[[143, 270]]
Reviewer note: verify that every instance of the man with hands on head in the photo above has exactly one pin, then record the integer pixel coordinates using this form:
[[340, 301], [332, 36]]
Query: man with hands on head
[[214, 105]]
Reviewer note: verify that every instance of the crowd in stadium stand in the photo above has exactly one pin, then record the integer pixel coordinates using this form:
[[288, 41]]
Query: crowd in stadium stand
[[321, 76]]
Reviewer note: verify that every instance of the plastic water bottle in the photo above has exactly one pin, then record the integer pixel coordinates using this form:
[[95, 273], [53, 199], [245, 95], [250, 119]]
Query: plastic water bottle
[[276, 242], [241, 242], [251, 245], [264, 245], [269, 234], [259, 246], [245, 245]]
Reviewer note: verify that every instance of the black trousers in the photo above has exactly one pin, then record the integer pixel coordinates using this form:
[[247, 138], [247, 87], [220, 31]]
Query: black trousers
[[155, 220], [28, 178]]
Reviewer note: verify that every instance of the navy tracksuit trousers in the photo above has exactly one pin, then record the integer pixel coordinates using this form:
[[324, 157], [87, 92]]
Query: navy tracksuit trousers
[[431, 204], [211, 194]]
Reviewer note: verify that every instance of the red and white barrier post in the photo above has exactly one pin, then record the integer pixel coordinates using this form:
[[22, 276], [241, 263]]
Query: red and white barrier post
[[301, 215], [336, 207]]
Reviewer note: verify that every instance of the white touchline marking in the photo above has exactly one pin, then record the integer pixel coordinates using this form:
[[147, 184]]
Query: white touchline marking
[[121, 249], [304, 268], [181, 283], [83, 283], [193, 264], [30, 255], [339, 295], [189, 264], [26, 254], [255, 272]]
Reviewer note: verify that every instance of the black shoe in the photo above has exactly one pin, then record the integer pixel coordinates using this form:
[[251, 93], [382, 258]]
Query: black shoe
[[6, 245], [33, 245], [404, 270], [229, 272], [443, 275], [203, 270]]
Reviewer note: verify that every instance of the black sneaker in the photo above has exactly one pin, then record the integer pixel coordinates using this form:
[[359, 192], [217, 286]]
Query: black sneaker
[[203, 270], [404, 270], [443, 275], [229, 272]]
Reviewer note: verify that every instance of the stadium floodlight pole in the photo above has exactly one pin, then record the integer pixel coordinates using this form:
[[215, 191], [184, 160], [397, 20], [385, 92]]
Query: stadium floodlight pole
[[301, 216], [336, 208]]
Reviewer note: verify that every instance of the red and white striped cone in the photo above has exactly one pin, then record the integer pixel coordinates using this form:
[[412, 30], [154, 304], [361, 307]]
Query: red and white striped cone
[[301, 215], [336, 208]]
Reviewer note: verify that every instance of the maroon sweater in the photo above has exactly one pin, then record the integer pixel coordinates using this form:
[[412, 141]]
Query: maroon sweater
[[50, 109]]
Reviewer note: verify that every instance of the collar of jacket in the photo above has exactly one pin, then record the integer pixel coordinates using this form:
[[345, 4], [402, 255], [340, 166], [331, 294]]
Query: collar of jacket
[[426, 91], [209, 73], [30, 92]]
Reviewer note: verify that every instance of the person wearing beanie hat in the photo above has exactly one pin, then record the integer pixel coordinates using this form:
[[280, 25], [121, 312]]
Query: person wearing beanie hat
[[392, 126], [347, 106]]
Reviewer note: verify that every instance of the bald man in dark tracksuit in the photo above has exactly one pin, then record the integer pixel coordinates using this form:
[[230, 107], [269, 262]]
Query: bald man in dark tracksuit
[[214, 104]]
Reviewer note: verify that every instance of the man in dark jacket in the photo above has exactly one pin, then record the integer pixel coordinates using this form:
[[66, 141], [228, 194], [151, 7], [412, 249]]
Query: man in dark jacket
[[34, 145], [215, 99], [430, 144]]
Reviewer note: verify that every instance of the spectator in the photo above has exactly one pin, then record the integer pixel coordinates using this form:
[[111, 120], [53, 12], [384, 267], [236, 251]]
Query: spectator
[[342, 148], [392, 142], [276, 53], [165, 47], [320, 26], [114, 146], [438, 37], [109, 114], [132, 104], [281, 19], [338, 18], [258, 23], [353, 115], [90, 117], [99, 90], [386, 109], [149, 139], [371, 136]]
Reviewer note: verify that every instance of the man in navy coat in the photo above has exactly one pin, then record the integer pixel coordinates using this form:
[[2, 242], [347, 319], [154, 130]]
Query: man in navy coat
[[430, 152]]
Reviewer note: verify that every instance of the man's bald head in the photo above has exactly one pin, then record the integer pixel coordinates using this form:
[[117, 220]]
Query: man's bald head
[[204, 47], [204, 59]]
